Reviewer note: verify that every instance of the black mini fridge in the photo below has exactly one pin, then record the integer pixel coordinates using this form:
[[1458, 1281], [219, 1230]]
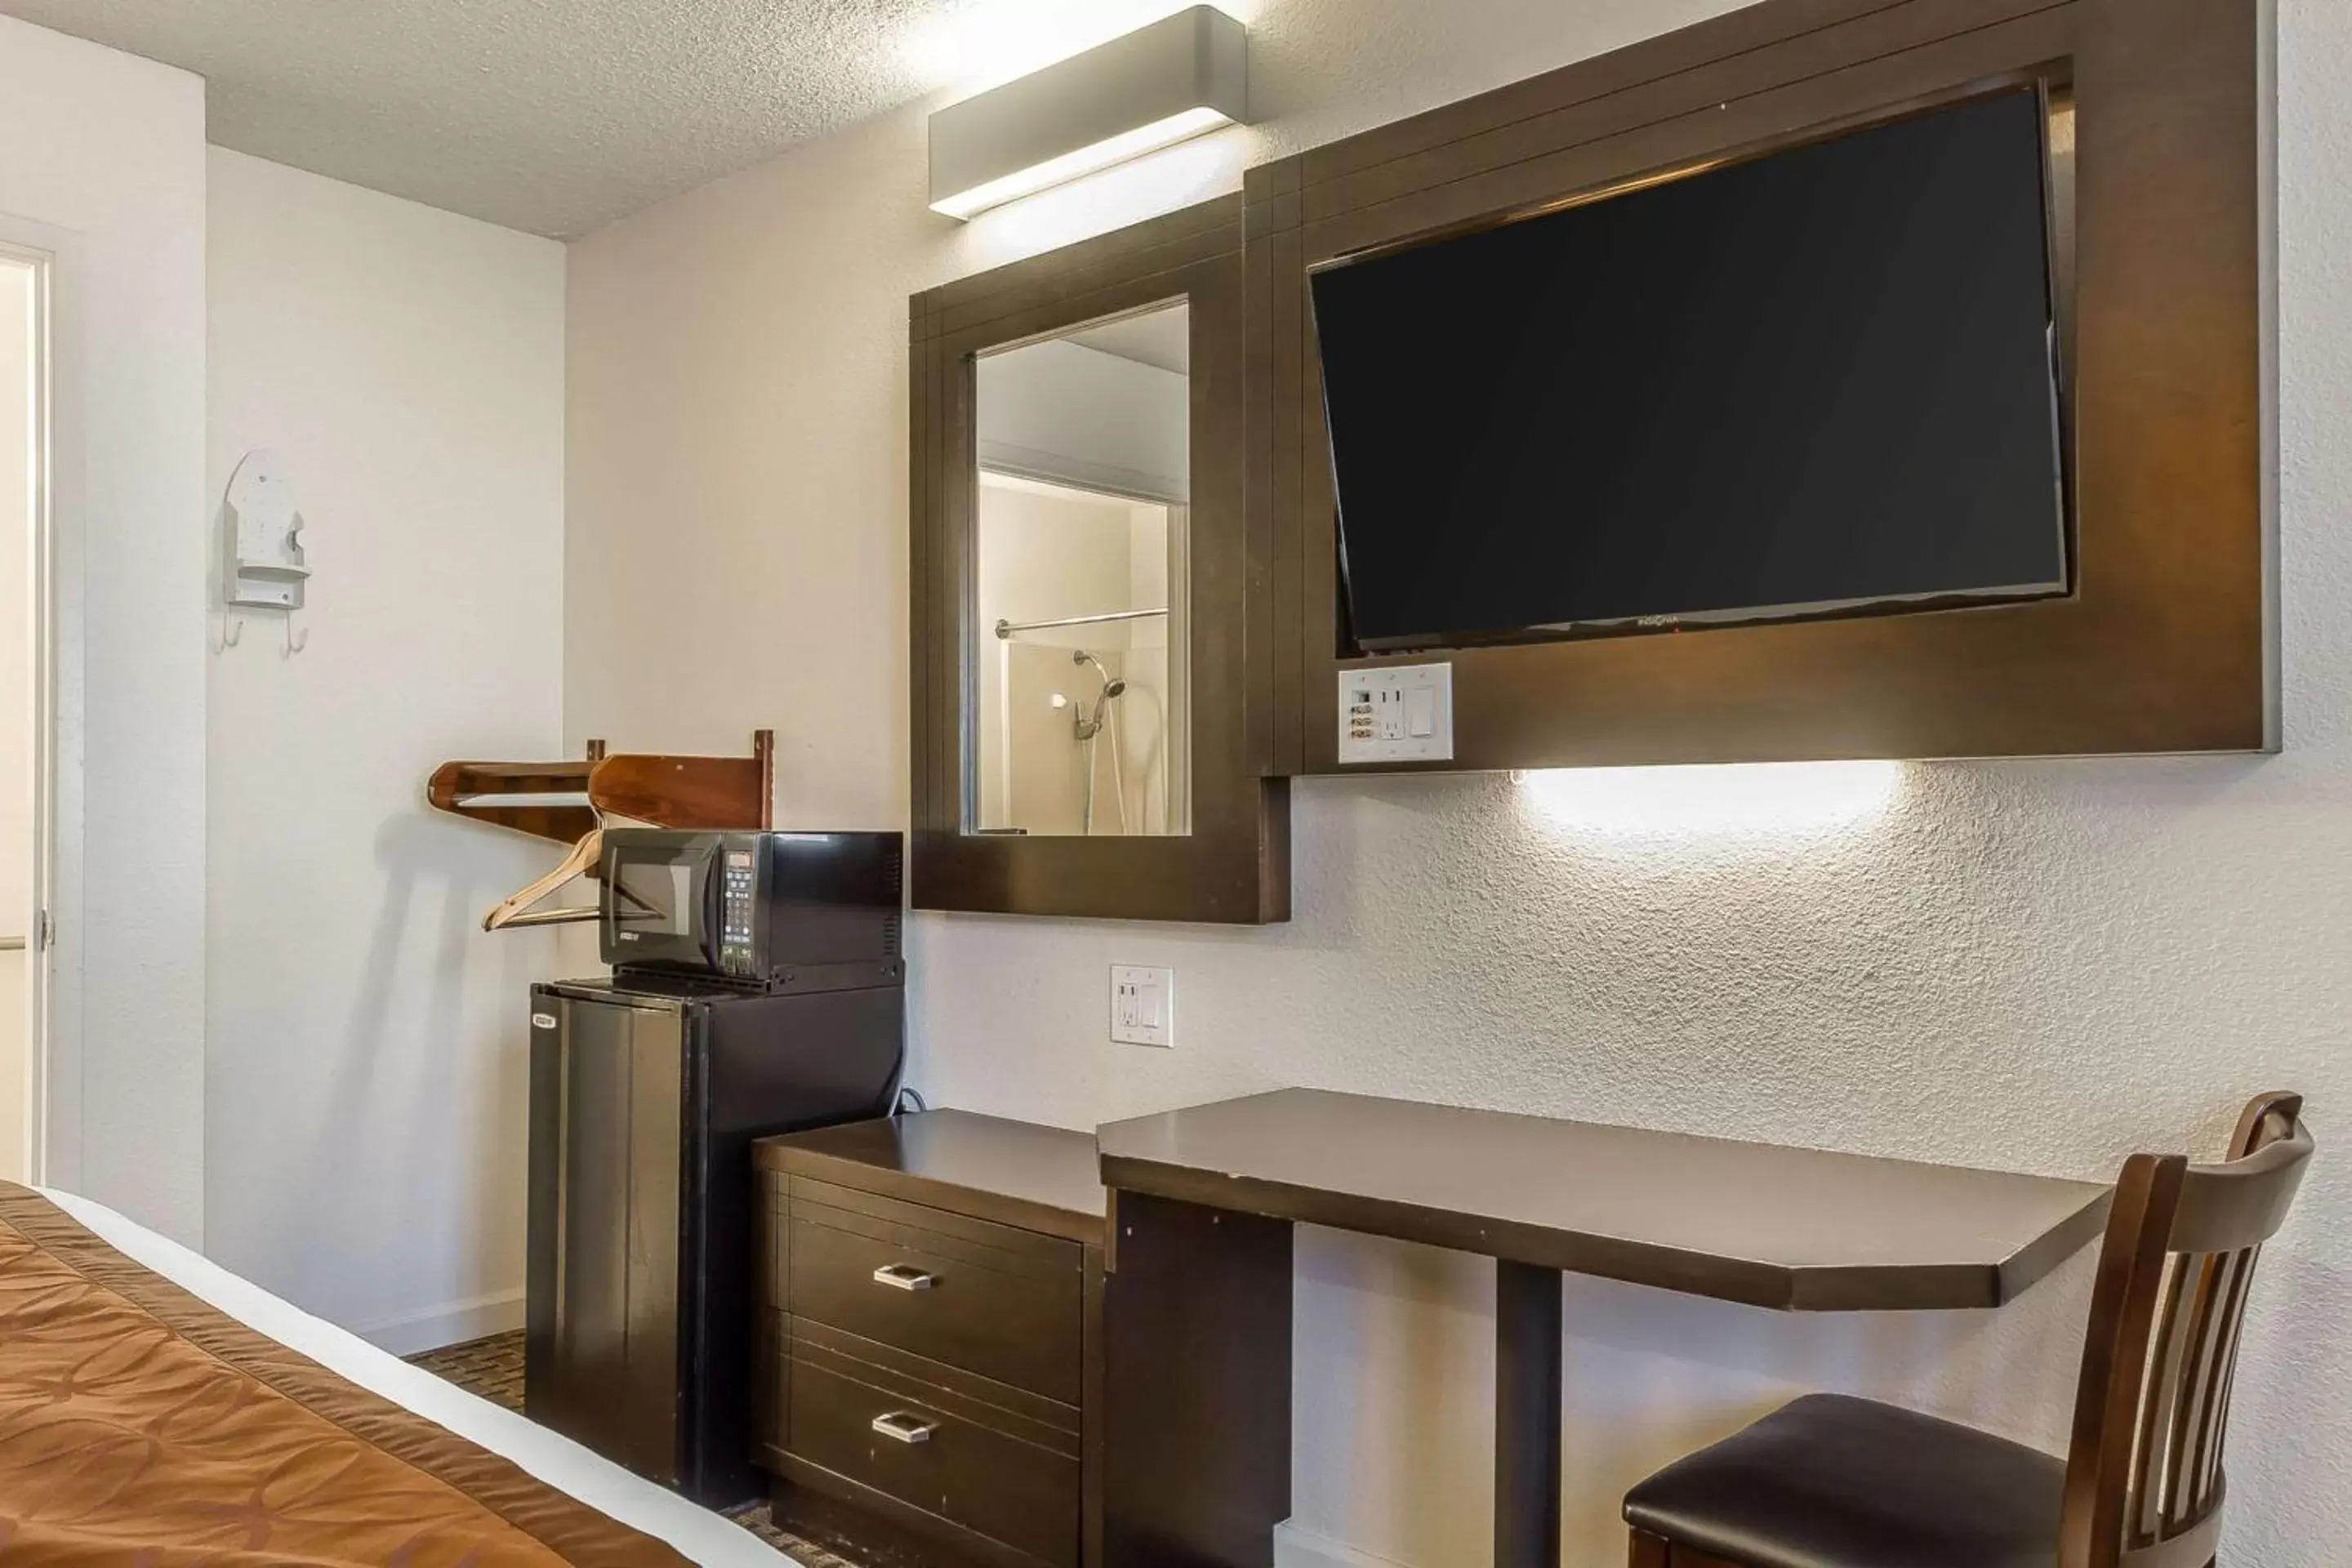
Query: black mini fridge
[[646, 1094]]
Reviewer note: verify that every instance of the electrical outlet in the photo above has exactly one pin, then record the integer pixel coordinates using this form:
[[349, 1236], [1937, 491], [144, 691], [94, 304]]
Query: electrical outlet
[[1142, 1005], [1396, 713]]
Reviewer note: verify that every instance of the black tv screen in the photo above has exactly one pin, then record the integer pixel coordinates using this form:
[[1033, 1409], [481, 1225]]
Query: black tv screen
[[1820, 382]]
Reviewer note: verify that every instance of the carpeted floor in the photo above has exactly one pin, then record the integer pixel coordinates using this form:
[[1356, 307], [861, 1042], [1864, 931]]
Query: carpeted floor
[[492, 1368]]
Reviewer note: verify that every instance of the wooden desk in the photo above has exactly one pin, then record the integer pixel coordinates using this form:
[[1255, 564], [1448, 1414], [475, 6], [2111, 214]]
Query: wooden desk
[[1203, 1200]]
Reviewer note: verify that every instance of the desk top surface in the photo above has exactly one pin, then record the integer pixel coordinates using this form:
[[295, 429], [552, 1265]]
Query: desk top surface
[[1762, 1222]]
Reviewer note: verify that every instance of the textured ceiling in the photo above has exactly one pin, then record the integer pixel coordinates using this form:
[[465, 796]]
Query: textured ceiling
[[556, 116]]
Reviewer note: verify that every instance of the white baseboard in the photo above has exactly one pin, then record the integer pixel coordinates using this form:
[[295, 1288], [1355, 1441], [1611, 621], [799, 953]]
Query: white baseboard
[[453, 1324], [1296, 1548]]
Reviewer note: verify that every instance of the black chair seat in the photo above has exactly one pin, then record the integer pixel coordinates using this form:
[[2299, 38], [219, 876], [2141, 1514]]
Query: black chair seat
[[1834, 1482]]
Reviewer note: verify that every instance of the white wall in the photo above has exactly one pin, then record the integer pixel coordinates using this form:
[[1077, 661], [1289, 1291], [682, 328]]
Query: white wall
[[365, 1081], [2033, 966], [102, 158]]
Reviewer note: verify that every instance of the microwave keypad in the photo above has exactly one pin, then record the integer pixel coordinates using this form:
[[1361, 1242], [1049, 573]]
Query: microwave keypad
[[735, 920]]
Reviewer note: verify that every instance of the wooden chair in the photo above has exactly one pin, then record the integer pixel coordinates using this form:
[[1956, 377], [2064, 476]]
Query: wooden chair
[[1834, 1482]]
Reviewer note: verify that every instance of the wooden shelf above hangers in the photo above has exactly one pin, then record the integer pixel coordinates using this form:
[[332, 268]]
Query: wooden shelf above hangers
[[565, 801]]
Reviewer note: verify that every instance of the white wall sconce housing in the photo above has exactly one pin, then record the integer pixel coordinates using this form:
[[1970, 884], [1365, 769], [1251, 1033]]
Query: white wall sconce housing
[[1177, 78]]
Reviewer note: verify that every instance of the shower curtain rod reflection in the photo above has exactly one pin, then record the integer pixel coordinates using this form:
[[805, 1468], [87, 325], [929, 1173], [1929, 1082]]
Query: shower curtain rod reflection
[[1008, 628]]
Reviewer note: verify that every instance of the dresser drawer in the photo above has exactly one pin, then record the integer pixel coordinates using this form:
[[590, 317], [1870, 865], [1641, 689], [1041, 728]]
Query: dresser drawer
[[1005, 1304], [1011, 1488]]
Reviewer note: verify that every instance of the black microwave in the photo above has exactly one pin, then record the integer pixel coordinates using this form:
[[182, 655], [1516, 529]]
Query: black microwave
[[778, 911]]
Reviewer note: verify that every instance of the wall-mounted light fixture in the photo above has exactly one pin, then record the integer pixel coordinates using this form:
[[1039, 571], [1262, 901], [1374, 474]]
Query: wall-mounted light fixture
[[1153, 88]]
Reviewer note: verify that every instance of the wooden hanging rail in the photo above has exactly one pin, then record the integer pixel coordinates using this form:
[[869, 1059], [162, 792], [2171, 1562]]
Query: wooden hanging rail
[[567, 801]]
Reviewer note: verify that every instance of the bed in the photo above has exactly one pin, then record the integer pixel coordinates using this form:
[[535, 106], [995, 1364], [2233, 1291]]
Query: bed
[[156, 1409]]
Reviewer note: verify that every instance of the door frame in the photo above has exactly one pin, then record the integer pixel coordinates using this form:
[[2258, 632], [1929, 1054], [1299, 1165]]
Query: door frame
[[52, 954]]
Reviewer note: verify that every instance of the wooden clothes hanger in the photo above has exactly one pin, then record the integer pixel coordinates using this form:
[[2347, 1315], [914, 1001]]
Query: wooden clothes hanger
[[582, 861], [518, 912]]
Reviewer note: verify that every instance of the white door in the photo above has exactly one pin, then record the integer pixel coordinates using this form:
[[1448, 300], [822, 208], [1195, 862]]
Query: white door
[[19, 947]]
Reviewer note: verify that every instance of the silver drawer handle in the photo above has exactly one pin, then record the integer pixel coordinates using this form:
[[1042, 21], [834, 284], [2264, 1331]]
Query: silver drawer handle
[[904, 1276], [904, 1427]]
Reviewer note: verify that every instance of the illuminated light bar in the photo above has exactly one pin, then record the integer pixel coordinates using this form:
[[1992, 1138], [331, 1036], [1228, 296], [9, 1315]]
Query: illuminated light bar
[[1175, 79]]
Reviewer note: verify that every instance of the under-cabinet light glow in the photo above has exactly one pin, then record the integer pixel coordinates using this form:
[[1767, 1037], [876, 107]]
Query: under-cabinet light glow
[[1761, 798], [1104, 155]]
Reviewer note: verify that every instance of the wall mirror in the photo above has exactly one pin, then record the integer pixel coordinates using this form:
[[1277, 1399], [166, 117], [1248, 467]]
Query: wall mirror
[[1091, 714], [1082, 520]]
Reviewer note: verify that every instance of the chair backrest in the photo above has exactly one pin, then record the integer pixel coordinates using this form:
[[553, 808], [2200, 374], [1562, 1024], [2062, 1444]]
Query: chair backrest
[[2144, 1480]]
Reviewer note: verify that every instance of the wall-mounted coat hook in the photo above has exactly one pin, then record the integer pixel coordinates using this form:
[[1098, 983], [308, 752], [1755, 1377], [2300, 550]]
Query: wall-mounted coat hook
[[232, 633], [295, 642]]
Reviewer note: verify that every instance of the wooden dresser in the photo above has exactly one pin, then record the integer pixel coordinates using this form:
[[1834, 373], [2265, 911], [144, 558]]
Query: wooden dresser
[[930, 1351]]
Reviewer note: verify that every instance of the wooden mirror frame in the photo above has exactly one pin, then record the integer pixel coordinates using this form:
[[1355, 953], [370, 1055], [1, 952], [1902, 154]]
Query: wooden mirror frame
[[1234, 868], [2168, 642]]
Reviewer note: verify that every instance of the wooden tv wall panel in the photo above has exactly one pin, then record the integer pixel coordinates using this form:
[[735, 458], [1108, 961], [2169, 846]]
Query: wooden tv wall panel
[[2169, 642]]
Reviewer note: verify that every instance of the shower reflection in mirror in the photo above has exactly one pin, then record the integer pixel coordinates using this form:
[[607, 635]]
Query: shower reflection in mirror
[[1080, 578]]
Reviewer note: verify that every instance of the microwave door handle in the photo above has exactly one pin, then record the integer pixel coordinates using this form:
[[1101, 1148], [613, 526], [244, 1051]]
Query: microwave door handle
[[714, 891]]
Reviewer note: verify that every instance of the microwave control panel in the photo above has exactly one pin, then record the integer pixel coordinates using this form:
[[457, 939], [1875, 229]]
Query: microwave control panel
[[736, 899]]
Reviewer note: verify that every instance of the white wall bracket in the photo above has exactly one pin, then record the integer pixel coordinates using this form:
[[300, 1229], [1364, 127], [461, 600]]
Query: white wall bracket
[[264, 531], [263, 566]]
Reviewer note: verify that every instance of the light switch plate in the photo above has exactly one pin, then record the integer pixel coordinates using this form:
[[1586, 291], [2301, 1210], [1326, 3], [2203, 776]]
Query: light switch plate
[[1142, 1005], [1396, 713]]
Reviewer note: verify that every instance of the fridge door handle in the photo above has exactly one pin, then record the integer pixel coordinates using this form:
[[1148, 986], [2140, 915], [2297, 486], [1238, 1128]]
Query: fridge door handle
[[904, 1276]]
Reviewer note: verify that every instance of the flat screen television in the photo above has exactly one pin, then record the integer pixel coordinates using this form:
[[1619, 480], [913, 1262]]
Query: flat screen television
[[1820, 382]]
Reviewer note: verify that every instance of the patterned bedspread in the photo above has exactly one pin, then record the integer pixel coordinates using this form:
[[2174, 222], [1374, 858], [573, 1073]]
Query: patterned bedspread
[[140, 1427]]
